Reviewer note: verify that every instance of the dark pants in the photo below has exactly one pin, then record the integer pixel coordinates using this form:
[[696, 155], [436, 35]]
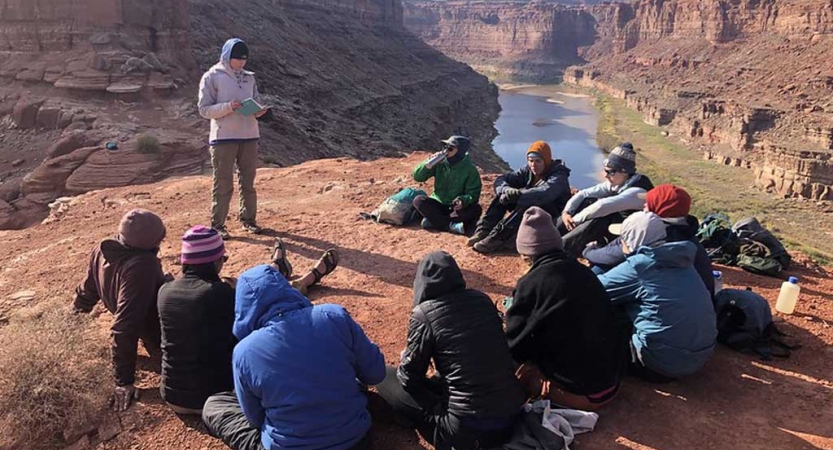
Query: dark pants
[[441, 215], [427, 410], [225, 420], [506, 226], [588, 231]]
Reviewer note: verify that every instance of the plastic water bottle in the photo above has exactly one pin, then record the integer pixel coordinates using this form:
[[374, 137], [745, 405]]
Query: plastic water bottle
[[718, 280], [788, 296]]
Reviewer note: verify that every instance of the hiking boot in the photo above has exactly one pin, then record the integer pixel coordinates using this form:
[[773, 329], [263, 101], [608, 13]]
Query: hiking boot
[[491, 244], [457, 228], [426, 224], [479, 235], [223, 231], [252, 227]]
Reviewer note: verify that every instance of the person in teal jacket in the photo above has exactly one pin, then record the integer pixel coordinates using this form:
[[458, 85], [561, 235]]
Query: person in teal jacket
[[667, 305], [455, 204]]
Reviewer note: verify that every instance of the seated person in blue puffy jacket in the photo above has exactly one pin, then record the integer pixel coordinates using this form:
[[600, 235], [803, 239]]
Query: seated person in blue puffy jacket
[[590, 211], [664, 300], [295, 372], [542, 182]]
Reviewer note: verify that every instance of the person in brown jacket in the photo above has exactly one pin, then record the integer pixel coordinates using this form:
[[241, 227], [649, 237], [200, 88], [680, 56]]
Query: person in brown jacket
[[125, 274]]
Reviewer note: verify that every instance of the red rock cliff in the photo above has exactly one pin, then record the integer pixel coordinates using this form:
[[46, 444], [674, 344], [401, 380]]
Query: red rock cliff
[[747, 81], [531, 41]]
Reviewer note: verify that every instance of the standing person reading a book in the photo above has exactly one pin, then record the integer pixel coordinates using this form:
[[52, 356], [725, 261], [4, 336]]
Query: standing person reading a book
[[229, 98]]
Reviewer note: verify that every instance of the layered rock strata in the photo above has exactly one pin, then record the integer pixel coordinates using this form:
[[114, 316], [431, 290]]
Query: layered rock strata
[[343, 77], [746, 81], [517, 41]]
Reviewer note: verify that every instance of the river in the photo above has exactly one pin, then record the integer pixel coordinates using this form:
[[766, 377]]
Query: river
[[566, 121]]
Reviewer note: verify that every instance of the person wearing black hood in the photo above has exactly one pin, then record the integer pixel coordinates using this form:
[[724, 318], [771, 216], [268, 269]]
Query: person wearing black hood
[[561, 325], [542, 182], [475, 399]]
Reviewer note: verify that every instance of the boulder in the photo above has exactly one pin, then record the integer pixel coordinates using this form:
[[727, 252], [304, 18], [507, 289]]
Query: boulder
[[49, 117], [35, 74], [89, 80], [25, 113]]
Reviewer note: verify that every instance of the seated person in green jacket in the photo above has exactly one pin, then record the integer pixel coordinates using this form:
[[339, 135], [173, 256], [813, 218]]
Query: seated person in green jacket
[[454, 206]]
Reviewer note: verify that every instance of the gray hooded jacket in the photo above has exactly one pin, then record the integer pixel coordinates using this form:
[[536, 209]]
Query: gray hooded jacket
[[220, 86]]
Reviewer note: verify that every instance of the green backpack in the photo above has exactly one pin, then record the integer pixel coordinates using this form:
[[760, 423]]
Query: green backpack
[[717, 237], [398, 209]]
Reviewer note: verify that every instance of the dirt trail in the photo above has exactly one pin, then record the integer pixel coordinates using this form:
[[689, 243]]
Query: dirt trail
[[736, 402]]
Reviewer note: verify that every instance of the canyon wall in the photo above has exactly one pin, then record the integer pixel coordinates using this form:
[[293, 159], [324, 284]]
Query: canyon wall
[[747, 82], [343, 78], [517, 41]]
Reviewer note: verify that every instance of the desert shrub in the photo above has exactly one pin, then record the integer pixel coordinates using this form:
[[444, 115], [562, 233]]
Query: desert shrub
[[147, 143], [54, 374]]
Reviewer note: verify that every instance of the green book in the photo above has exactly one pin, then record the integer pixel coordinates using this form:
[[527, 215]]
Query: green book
[[250, 106]]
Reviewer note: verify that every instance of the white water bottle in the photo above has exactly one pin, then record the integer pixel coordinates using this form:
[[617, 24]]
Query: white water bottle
[[718, 280], [788, 296]]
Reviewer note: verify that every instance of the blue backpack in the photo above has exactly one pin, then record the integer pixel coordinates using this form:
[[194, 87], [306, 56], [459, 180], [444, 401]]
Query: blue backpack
[[398, 209], [744, 323]]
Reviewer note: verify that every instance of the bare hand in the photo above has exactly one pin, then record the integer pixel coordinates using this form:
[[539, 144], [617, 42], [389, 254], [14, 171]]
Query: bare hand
[[235, 105], [457, 204], [123, 396], [568, 221], [261, 112]]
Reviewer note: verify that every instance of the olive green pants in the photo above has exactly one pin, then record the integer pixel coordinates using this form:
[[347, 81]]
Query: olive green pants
[[224, 157]]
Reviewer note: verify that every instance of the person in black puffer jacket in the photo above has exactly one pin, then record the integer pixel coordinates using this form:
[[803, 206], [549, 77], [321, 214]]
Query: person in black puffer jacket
[[561, 325], [475, 399]]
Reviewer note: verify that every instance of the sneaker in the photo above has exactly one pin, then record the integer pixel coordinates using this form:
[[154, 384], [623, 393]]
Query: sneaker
[[426, 224], [479, 235], [252, 227], [491, 244], [457, 228], [223, 232]]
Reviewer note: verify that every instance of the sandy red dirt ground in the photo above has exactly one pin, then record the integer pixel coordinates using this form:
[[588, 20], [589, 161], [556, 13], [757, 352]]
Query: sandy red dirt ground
[[736, 402]]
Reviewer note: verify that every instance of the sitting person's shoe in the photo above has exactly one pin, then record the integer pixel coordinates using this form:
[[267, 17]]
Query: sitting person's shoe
[[479, 235], [457, 228], [426, 224], [252, 227], [491, 244], [222, 231]]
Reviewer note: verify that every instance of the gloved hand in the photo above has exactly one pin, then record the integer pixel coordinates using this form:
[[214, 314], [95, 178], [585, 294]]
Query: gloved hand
[[510, 196], [123, 396]]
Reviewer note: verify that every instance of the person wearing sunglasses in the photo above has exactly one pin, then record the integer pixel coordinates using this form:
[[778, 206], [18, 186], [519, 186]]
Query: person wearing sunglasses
[[234, 136], [454, 206], [590, 211]]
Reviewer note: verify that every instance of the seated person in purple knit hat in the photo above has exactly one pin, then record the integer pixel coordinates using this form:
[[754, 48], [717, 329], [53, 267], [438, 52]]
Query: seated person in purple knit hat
[[125, 274], [196, 313]]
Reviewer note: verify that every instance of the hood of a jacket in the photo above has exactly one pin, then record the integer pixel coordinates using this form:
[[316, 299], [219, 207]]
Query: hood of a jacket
[[262, 295], [681, 228], [437, 275], [114, 251], [672, 254], [225, 57]]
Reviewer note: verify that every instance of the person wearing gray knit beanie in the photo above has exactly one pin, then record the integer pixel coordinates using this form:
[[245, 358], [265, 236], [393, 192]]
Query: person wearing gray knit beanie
[[537, 234]]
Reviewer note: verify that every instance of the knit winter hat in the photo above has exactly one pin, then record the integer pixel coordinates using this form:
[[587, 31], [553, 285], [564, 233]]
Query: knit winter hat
[[622, 159], [240, 51], [643, 228], [141, 229], [668, 201], [537, 234], [201, 245], [542, 149]]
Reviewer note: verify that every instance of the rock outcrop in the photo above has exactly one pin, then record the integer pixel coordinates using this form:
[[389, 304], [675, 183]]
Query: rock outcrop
[[343, 78], [742, 80], [517, 41]]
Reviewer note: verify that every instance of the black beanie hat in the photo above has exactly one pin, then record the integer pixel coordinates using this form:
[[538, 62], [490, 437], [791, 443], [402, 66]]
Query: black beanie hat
[[240, 51]]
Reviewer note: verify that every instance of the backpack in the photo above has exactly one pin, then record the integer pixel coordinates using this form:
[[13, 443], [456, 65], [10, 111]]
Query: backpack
[[761, 265], [717, 237], [752, 230], [744, 323], [398, 209]]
